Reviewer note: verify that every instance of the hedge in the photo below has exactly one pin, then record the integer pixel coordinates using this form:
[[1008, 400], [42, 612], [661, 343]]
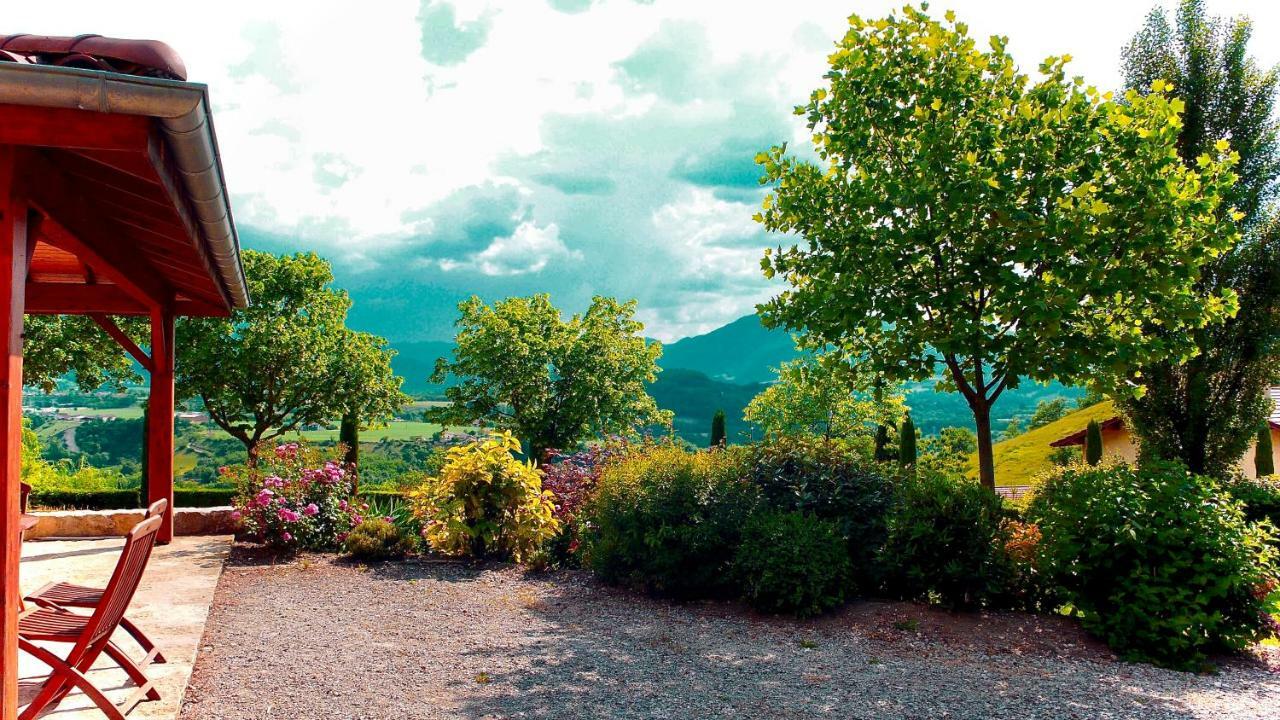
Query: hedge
[[127, 499]]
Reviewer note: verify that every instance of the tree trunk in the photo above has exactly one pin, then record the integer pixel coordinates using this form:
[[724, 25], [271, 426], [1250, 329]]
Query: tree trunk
[[349, 435], [251, 449], [986, 460]]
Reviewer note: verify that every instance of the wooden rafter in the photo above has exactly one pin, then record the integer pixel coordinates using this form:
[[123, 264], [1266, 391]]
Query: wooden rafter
[[76, 129], [126, 342]]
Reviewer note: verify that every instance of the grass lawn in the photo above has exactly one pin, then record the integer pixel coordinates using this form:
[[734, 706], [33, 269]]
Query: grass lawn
[[1018, 459], [400, 430], [132, 412]]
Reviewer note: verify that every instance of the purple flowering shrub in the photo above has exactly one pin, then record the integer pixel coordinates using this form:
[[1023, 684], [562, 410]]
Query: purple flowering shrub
[[571, 478], [295, 498]]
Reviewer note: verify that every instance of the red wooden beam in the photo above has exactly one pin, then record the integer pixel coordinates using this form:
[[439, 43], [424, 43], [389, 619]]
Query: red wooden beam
[[160, 418], [75, 299], [126, 342], [74, 224], [13, 273], [73, 129]]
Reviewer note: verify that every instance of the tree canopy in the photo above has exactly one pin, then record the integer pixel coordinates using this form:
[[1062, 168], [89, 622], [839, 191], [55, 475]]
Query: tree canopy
[[55, 346], [961, 213], [553, 382], [821, 395], [288, 359], [1204, 410]]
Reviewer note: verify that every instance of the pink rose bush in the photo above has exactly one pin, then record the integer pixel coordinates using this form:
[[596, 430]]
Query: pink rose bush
[[295, 498]]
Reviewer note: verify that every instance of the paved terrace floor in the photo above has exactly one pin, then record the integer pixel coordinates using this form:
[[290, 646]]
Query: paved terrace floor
[[171, 606]]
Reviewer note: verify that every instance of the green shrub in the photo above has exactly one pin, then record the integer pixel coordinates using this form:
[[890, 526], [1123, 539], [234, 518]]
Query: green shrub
[[669, 521], [1261, 497], [199, 497], [74, 499], [484, 502], [945, 543], [790, 562], [377, 539], [1160, 562], [831, 480]]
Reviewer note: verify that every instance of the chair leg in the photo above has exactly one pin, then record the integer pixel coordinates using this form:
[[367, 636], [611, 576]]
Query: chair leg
[[143, 641], [63, 676], [132, 669]]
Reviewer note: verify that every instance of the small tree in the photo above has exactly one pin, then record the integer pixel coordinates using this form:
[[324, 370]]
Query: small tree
[[368, 388], [819, 394], [1048, 411], [1093, 443], [553, 382], [907, 442], [1264, 462], [717, 429], [964, 216]]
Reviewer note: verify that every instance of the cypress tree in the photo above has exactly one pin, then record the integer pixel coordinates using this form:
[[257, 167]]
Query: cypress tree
[[145, 471], [1263, 460], [907, 442], [1093, 443], [349, 435], [717, 429]]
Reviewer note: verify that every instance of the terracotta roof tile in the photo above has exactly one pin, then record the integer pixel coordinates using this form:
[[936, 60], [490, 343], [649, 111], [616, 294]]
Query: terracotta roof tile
[[149, 58]]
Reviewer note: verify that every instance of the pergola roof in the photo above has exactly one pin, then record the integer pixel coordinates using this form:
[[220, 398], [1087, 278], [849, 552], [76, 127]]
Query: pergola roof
[[125, 176]]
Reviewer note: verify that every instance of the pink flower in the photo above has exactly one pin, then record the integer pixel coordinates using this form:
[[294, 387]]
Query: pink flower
[[342, 505], [287, 515], [389, 519], [264, 497], [286, 537], [311, 509], [236, 515]]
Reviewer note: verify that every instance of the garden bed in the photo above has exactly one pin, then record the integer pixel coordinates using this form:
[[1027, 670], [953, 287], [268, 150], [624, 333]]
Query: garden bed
[[317, 637]]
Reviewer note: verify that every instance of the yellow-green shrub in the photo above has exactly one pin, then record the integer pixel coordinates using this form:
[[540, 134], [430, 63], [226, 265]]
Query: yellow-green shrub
[[377, 539], [670, 521], [484, 502]]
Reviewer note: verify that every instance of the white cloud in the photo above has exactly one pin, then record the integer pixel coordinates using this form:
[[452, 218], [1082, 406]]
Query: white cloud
[[527, 250]]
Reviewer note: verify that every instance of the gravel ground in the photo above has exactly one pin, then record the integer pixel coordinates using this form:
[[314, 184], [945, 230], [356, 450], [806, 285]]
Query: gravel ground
[[317, 638]]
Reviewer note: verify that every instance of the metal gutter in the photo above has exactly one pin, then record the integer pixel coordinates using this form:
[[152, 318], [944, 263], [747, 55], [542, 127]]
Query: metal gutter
[[186, 122]]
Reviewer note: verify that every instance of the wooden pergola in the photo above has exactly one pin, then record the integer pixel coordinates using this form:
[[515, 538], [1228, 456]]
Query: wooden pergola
[[112, 202]]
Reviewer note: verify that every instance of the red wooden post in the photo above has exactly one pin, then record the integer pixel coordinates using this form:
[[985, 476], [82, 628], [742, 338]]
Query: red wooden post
[[13, 278], [160, 417]]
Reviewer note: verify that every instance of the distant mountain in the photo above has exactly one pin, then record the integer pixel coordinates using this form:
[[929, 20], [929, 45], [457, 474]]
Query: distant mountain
[[742, 352], [725, 368], [693, 398]]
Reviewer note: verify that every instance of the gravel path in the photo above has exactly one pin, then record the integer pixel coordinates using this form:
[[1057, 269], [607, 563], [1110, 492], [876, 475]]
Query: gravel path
[[316, 638]]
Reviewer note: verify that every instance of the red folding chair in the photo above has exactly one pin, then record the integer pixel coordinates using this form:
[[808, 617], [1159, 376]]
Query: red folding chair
[[69, 595], [90, 635]]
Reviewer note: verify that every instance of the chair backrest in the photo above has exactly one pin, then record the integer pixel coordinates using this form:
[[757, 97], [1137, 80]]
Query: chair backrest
[[124, 581], [156, 508]]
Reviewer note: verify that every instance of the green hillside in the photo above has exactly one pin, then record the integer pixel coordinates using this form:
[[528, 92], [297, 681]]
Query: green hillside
[[742, 352], [694, 398], [1018, 459]]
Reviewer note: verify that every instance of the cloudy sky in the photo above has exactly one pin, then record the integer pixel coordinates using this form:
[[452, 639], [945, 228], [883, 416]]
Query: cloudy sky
[[433, 149]]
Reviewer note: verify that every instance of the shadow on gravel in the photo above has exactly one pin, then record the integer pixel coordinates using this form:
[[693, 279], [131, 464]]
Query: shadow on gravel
[[589, 651]]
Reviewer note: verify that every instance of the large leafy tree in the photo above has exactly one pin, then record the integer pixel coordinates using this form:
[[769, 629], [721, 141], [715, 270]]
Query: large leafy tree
[[553, 382], [285, 361], [1205, 410], [818, 394], [961, 213], [55, 346]]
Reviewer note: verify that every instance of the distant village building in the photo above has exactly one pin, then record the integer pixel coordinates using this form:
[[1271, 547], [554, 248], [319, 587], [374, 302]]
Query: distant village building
[[1117, 442]]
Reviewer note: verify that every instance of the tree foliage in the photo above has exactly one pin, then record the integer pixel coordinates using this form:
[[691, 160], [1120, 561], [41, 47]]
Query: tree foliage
[[907, 443], [1048, 411], [57, 345], [551, 381], [1203, 411], [1093, 443], [822, 395], [718, 438], [1006, 228], [287, 360]]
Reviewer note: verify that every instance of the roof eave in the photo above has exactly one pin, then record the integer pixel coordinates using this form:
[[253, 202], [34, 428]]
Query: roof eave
[[183, 112]]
